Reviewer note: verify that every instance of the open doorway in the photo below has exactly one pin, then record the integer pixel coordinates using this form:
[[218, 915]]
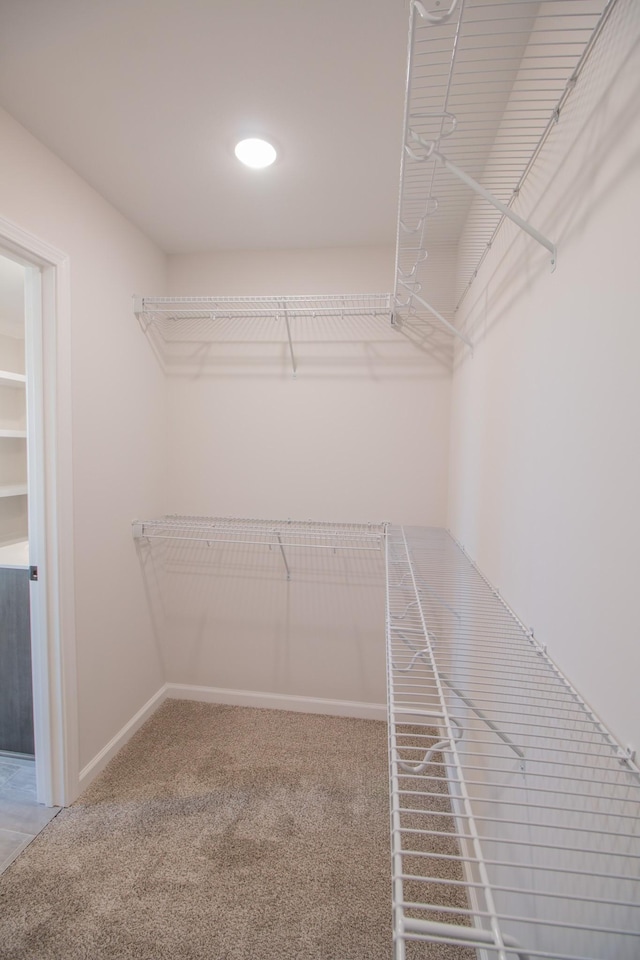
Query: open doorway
[[38, 725], [16, 693], [21, 816]]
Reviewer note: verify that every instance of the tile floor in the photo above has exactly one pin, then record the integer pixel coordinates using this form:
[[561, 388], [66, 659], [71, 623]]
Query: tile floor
[[21, 816]]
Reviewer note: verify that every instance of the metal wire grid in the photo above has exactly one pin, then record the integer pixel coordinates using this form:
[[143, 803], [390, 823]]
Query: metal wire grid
[[515, 814], [286, 533], [171, 316], [484, 87]]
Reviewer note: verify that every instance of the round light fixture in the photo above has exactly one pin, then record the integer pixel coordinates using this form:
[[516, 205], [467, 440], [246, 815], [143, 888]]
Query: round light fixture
[[255, 153]]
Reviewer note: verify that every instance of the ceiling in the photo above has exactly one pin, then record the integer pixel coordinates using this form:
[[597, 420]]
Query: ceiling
[[145, 99]]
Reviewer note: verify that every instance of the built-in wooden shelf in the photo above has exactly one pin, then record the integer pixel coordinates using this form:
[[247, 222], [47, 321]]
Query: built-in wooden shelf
[[13, 434], [8, 379], [13, 490]]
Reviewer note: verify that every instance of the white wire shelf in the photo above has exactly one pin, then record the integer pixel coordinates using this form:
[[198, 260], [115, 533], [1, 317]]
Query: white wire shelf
[[486, 84], [167, 312], [515, 814], [197, 320], [280, 534]]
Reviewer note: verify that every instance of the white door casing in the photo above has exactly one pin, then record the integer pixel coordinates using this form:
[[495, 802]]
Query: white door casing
[[50, 505]]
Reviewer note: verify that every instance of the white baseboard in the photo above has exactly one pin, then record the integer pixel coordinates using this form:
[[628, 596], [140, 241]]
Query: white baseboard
[[101, 759], [277, 701], [239, 698]]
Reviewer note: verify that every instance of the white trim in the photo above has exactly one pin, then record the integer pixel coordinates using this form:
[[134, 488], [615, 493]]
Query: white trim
[[14, 380], [108, 752], [48, 331], [278, 701], [240, 698]]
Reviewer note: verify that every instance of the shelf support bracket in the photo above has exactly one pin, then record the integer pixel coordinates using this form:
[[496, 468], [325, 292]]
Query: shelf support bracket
[[414, 296], [504, 210], [293, 358], [284, 556]]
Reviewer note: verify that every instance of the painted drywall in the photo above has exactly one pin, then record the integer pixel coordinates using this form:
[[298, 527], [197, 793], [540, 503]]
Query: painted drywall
[[545, 452], [359, 435], [118, 408], [233, 620], [361, 432]]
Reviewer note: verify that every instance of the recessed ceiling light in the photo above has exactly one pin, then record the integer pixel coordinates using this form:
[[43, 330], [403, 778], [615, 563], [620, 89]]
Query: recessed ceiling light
[[255, 153]]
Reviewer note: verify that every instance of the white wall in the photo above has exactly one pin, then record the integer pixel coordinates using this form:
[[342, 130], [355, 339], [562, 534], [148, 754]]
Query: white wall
[[545, 454], [233, 621], [118, 401], [360, 434]]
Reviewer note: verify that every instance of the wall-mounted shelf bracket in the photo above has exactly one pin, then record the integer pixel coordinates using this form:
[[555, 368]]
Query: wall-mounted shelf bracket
[[174, 321], [435, 17], [421, 655], [451, 933], [284, 556]]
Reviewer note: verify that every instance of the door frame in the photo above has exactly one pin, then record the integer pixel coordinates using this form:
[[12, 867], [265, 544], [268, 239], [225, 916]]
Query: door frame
[[50, 508]]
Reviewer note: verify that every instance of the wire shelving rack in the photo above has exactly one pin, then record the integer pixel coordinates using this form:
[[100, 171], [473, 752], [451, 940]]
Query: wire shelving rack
[[486, 84], [175, 320], [279, 534], [515, 815]]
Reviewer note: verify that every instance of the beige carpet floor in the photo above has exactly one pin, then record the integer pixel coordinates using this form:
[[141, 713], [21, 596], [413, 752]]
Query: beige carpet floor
[[217, 833]]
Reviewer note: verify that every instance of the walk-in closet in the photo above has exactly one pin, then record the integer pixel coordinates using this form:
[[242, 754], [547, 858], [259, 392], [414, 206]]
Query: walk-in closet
[[332, 312]]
